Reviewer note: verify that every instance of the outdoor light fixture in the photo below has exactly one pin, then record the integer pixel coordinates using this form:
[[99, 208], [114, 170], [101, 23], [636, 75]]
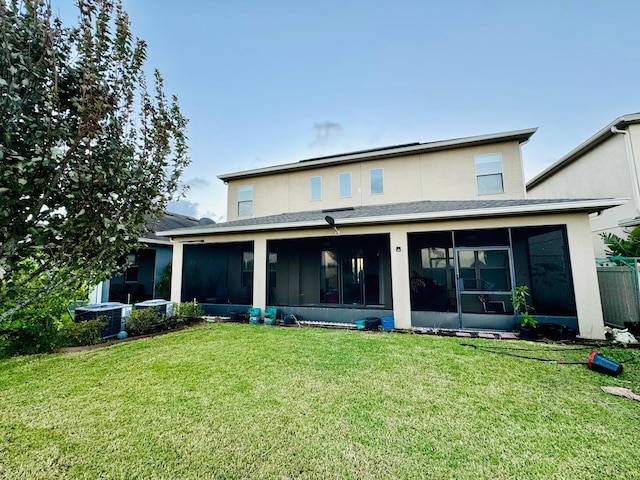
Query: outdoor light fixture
[[398, 249], [332, 223]]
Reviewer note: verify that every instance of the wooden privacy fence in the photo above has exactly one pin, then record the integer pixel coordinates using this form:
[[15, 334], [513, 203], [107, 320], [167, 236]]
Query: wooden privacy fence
[[618, 278]]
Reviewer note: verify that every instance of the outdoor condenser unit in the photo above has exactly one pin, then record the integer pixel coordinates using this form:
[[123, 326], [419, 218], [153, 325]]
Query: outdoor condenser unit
[[164, 307], [113, 313]]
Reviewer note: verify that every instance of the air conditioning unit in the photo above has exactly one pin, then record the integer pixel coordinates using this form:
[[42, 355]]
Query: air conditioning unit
[[113, 313], [164, 307]]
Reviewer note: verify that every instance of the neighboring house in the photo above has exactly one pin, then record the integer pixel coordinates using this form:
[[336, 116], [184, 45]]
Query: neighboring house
[[605, 165], [434, 234], [138, 282]]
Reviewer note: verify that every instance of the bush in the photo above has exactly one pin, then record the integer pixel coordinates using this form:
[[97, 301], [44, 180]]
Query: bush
[[143, 321], [36, 327], [29, 335], [188, 312], [82, 333]]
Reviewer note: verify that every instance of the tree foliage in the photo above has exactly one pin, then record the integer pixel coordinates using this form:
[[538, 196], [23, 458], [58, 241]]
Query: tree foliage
[[39, 324], [87, 153], [629, 247]]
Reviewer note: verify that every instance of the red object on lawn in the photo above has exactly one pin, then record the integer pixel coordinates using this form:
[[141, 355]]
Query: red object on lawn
[[599, 363]]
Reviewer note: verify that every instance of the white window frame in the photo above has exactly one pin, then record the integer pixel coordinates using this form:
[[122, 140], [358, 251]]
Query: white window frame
[[343, 182], [371, 173], [484, 169], [245, 200], [311, 188]]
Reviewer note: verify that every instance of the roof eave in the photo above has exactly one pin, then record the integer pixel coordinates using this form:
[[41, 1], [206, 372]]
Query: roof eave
[[584, 147], [521, 136], [587, 206], [154, 241]]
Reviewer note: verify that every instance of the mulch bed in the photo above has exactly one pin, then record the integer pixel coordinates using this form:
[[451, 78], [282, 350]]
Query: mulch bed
[[423, 331], [110, 342]]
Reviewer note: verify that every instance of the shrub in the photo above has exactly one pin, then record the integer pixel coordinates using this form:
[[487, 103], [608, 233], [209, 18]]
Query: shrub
[[143, 321], [30, 334], [188, 312], [82, 333], [36, 327]]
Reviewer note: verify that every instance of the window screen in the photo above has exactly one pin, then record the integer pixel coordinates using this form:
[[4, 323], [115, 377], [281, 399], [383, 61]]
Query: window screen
[[315, 187], [376, 180], [489, 174], [345, 184]]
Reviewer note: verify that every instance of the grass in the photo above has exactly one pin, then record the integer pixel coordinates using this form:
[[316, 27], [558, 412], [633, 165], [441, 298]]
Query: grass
[[232, 401]]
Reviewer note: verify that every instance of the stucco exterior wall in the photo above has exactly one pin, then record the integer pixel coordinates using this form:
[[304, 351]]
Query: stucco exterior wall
[[603, 172], [581, 254], [450, 175], [442, 175]]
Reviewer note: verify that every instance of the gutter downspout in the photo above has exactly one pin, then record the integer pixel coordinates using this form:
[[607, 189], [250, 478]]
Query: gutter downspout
[[632, 164], [524, 183]]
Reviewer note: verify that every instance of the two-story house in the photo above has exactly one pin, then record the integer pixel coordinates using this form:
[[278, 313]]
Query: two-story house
[[605, 165], [433, 234]]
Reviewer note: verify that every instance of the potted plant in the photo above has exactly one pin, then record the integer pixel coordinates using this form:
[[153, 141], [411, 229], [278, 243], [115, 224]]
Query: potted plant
[[528, 327]]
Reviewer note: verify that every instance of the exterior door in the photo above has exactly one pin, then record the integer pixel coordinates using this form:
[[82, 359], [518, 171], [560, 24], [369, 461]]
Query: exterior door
[[484, 278]]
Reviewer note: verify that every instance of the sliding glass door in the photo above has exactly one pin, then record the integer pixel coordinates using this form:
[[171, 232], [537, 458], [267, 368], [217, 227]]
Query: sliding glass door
[[484, 280], [350, 276]]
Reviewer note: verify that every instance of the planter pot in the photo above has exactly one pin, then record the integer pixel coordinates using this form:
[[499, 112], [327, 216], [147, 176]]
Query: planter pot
[[555, 331], [371, 323], [528, 333]]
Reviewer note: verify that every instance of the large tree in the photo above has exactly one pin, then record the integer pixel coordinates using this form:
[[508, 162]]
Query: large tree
[[87, 154]]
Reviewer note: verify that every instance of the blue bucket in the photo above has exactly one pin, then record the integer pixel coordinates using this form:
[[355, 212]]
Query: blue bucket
[[387, 323], [360, 324], [602, 364]]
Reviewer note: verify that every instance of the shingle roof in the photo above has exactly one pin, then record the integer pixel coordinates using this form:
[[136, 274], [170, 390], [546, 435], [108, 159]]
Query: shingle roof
[[405, 212], [170, 221]]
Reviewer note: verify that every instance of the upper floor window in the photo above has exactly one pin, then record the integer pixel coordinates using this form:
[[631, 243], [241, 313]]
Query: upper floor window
[[315, 187], [489, 173], [376, 181], [245, 200], [345, 184]]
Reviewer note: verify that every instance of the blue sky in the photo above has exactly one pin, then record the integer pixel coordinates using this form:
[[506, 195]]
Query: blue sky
[[265, 82]]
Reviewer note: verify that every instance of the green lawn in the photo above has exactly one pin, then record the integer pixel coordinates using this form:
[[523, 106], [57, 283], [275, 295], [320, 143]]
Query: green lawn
[[241, 401]]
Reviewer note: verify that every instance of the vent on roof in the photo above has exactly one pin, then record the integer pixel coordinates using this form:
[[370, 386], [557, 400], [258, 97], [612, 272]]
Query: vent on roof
[[343, 209]]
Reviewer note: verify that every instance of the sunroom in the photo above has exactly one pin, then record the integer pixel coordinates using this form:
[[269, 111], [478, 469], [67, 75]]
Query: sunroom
[[450, 265]]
